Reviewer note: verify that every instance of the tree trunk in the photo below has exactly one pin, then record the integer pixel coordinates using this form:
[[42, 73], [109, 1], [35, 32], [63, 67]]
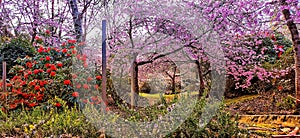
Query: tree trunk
[[35, 20], [77, 19], [173, 80], [134, 84], [201, 82], [296, 43]]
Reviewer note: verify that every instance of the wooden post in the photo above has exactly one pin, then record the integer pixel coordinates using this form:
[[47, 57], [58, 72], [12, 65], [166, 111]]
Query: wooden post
[[104, 77], [4, 76]]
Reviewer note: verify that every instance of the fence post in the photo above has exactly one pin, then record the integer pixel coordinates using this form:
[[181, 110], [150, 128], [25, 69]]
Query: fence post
[[104, 78], [4, 76]]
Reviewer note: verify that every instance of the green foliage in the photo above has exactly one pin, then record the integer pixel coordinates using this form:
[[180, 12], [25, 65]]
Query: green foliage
[[41, 122], [49, 73], [270, 43], [16, 48], [286, 103], [221, 125]]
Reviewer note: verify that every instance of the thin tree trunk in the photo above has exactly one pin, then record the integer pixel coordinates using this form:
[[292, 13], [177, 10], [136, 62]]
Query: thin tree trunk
[[296, 42], [201, 83], [35, 20], [77, 19], [173, 80], [134, 84]]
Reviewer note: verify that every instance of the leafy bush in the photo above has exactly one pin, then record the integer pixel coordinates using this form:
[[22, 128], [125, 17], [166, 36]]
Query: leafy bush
[[54, 121], [271, 59], [49, 73], [14, 49], [221, 125], [286, 103]]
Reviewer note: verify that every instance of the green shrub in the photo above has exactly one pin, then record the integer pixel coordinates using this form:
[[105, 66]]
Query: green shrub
[[46, 122], [16, 48], [286, 103], [221, 125]]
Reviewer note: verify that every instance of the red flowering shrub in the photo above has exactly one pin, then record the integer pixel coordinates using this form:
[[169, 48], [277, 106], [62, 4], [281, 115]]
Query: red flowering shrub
[[49, 74]]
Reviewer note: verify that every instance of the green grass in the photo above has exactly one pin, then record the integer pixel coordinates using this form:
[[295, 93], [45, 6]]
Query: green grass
[[167, 96]]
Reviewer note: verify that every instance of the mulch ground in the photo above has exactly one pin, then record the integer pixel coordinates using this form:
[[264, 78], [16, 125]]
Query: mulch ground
[[263, 104]]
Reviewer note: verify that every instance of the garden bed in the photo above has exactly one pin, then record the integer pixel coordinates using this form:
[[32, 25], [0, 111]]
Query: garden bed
[[263, 104]]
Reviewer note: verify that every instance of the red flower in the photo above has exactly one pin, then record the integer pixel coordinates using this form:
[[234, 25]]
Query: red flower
[[107, 109], [72, 47], [280, 88], [59, 64], [42, 83], [8, 85], [96, 86], [53, 67], [74, 76], [47, 32], [32, 104], [45, 82], [78, 86], [47, 65], [94, 98], [273, 37], [72, 41], [41, 70], [63, 44], [98, 77], [78, 56], [32, 83], [48, 58], [85, 101], [12, 106], [23, 83], [57, 105], [29, 64], [41, 59], [67, 82], [75, 94], [39, 98], [37, 87], [36, 71], [29, 73], [83, 58], [280, 48], [52, 73], [64, 50], [25, 95], [85, 65], [81, 44], [40, 50], [74, 52], [48, 70], [85, 86], [89, 79], [37, 37]]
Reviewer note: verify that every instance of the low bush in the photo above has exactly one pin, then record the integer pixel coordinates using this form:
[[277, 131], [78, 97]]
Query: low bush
[[54, 119], [12, 50]]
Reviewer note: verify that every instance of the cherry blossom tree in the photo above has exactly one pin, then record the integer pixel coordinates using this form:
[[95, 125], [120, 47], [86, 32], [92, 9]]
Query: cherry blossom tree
[[230, 19], [169, 26]]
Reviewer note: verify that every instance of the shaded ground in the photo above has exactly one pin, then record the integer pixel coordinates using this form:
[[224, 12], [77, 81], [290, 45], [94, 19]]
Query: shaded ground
[[262, 104], [266, 114]]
